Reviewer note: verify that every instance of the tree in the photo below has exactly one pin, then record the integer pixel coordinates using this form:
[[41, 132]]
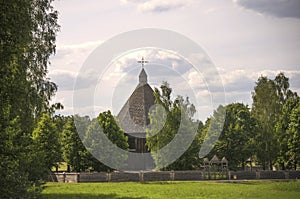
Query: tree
[[94, 140], [82, 124], [27, 39], [294, 137], [212, 129], [266, 109], [287, 101], [236, 141], [113, 131], [282, 86], [74, 152], [166, 120], [282, 134], [45, 137], [272, 104], [14, 181]]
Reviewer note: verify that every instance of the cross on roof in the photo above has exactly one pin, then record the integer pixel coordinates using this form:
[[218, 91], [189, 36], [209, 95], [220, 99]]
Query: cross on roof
[[143, 61]]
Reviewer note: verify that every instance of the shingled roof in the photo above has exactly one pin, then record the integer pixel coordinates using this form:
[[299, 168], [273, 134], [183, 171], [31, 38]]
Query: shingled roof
[[133, 116]]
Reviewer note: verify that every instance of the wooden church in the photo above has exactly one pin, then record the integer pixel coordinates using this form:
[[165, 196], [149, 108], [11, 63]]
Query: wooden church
[[133, 116]]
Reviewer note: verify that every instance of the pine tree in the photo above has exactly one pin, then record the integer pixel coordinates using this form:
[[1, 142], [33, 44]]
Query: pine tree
[[46, 140]]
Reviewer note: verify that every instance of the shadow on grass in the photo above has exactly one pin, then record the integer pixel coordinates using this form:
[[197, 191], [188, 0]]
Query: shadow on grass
[[87, 196]]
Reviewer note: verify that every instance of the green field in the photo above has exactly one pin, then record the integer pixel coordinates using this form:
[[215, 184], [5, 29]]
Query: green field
[[170, 190]]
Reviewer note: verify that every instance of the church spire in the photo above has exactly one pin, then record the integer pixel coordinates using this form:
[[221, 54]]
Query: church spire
[[143, 77], [143, 74]]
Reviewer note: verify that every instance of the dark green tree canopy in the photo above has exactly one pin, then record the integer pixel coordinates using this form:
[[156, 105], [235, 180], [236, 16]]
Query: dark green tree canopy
[[236, 142], [272, 99], [27, 38], [94, 140], [74, 152], [166, 120], [46, 141]]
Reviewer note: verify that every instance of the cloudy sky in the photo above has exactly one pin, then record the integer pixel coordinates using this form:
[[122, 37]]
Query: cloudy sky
[[243, 38]]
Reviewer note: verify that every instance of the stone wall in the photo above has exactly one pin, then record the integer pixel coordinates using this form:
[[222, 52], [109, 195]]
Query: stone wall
[[243, 175], [64, 177], [124, 177], [169, 176], [294, 174], [93, 177], [157, 176], [273, 175], [188, 175]]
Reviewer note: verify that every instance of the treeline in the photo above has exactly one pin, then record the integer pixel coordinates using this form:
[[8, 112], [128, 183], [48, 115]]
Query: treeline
[[267, 134], [72, 139]]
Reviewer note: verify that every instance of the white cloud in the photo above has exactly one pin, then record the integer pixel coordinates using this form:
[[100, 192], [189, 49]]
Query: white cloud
[[158, 5], [81, 46], [212, 10], [238, 84], [238, 87], [67, 62], [71, 57], [195, 80], [204, 97], [122, 77], [237, 80]]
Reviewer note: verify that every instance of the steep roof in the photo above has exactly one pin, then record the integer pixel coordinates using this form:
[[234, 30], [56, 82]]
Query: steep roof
[[215, 160], [133, 116], [142, 77]]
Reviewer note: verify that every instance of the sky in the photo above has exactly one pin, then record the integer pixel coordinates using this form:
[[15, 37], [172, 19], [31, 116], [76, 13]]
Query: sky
[[242, 39]]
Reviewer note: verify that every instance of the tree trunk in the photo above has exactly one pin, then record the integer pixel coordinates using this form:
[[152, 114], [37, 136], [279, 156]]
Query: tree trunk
[[282, 165], [264, 165], [243, 165], [271, 165]]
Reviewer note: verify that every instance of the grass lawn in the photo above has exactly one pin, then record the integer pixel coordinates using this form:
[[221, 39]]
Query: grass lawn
[[170, 190]]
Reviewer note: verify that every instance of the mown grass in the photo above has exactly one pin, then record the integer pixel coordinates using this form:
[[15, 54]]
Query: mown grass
[[170, 190]]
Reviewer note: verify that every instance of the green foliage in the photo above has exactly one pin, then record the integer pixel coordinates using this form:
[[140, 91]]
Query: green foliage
[[282, 86], [266, 109], [97, 145], [273, 102], [293, 132], [211, 132], [74, 152], [166, 121], [14, 180], [45, 137], [112, 130], [281, 129], [236, 142], [27, 39], [78, 132]]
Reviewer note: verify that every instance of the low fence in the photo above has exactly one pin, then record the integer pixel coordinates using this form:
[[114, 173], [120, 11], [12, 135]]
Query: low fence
[[171, 176]]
